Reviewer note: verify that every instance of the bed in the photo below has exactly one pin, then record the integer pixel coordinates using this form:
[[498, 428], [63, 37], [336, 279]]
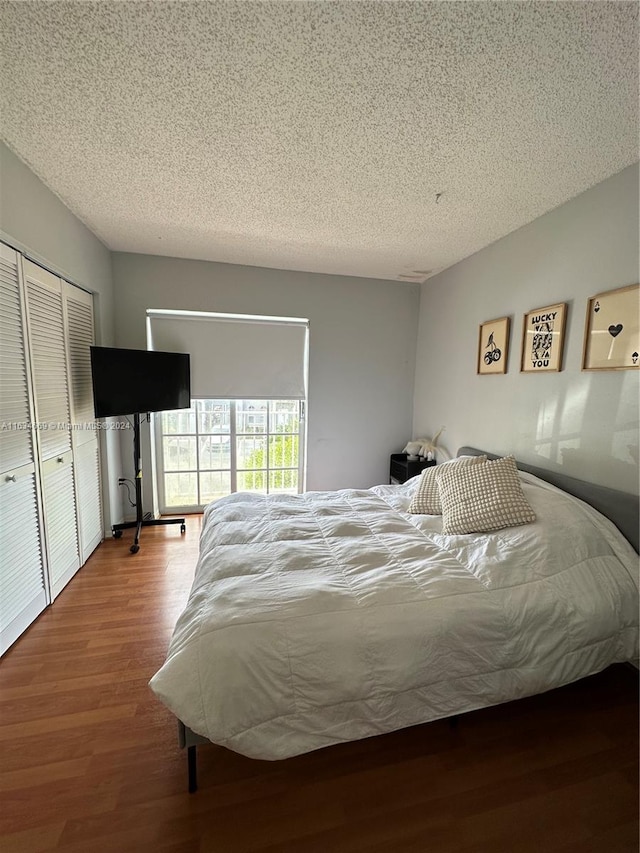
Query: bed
[[327, 617]]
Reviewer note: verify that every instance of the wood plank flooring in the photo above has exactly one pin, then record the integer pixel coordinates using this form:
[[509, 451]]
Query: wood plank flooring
[[89, 761]]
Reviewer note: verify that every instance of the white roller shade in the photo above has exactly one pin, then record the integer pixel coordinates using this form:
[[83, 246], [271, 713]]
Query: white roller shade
[[235, 356]]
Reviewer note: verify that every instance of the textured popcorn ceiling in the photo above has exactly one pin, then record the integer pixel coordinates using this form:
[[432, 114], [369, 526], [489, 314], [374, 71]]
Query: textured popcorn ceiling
[[316, 135]]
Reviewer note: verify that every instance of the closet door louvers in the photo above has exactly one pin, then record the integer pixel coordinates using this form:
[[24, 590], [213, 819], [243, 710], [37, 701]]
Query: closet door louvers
[[86, 451], [60, 522], [79, 306], [48, 361], [16, 446], [51, 393], [23, 583], [87, 470]]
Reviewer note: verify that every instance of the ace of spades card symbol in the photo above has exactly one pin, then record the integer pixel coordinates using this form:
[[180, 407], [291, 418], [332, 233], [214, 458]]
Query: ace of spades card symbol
[[634, 357], [596, 307], [614, 331]]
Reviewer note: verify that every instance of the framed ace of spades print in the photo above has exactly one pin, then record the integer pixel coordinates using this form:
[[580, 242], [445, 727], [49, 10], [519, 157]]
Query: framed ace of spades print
[[612, 330]]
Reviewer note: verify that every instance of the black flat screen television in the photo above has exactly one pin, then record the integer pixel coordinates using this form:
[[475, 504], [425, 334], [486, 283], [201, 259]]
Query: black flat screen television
[[131, 381]]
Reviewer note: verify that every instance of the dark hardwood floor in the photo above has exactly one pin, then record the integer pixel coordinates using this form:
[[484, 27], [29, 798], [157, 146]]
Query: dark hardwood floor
[[89, 759]]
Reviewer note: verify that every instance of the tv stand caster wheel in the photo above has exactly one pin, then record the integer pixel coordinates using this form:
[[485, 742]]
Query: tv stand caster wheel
[[117, 534], [183, 529], [134, 549]]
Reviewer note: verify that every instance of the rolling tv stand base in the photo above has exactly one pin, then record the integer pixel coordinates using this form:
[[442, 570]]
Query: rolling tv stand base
[[116, 529], [140, 522]]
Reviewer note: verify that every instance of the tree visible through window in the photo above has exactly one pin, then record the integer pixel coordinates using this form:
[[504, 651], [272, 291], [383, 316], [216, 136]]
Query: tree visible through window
[[222, 446]]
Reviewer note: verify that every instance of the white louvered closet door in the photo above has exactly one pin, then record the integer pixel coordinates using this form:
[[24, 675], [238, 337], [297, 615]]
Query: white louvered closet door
[[45, 321], [84, 437], [23, 583]]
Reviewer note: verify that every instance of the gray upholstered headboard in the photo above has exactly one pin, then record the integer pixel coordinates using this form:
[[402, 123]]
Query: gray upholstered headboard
[[622, 508]]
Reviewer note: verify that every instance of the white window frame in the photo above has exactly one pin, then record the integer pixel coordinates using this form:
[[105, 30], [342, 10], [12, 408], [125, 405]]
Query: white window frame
[[233, 434]]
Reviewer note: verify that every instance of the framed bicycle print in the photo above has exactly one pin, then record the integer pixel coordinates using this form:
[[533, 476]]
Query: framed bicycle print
[[493, 346], [543, 339], [612, 330]]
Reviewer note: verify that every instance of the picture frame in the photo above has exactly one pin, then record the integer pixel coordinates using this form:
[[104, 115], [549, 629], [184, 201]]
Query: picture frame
[[493, 346], [543, 339], [612, 330]]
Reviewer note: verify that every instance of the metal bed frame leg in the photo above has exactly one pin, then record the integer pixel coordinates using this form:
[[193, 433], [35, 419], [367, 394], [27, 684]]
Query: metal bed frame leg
[[192, 767]]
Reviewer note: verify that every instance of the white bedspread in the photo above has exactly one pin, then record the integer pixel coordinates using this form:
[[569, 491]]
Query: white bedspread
[[333, 616]]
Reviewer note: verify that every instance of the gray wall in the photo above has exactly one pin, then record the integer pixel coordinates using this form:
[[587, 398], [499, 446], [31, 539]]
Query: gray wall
[[582, 423], [35, 221], [362, 342]]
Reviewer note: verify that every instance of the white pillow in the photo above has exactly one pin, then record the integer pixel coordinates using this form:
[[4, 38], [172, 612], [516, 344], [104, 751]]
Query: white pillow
[[426, 498], [479, 498]]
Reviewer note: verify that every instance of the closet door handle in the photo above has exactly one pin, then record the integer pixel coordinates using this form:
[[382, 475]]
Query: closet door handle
[[11, 478], [60, 459]]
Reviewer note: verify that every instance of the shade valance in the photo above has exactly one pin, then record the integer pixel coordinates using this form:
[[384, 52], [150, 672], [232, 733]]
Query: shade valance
[[236, 356]]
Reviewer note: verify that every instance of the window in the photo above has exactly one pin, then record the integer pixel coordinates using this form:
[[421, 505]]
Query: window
[[222, 446], [245, 428]]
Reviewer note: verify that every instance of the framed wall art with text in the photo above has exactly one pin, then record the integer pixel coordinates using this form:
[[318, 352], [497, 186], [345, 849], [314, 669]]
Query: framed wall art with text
[[543, 339]]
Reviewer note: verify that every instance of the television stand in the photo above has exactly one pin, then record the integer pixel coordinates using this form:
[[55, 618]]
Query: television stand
[[140, 522]]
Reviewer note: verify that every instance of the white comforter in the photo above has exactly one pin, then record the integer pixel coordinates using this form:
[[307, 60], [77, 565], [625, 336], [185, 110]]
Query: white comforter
[[333, 616]]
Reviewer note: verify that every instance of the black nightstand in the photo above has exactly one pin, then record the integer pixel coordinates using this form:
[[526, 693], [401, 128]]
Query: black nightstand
[[402, 468]]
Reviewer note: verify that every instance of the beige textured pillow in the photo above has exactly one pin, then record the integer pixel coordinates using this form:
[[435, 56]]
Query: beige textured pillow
[[426, 498], [478, 498]]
